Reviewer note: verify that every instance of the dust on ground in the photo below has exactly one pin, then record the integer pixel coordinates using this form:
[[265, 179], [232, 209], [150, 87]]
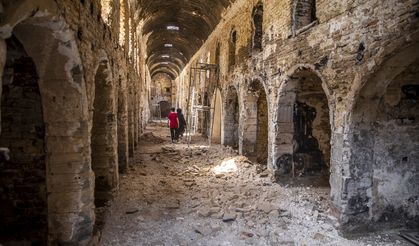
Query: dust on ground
[[175, 195]]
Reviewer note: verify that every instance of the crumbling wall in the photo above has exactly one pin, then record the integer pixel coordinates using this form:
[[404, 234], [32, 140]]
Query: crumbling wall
[[66, 40]]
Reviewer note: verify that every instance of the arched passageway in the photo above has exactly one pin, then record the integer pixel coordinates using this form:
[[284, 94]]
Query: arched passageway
[[304, 129], [23, 200], [104, 136], [385, 139], [216, 114], [231, 118], [255, 124]]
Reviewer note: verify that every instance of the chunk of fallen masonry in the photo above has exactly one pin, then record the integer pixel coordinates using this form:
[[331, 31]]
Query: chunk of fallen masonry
[[229, 217], [246, 234], [132, 211]]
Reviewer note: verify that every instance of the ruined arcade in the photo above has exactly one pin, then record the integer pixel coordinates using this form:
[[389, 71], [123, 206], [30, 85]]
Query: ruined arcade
[[302, 122]]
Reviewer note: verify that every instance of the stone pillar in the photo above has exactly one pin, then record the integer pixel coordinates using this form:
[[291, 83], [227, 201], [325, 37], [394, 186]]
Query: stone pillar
[[122, 129], [131, 124]]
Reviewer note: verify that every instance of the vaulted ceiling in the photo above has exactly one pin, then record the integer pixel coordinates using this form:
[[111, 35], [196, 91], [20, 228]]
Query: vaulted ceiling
[[176, 29]]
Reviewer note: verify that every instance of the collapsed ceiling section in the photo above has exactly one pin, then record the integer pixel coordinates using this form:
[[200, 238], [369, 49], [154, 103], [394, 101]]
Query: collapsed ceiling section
[[176, 29]]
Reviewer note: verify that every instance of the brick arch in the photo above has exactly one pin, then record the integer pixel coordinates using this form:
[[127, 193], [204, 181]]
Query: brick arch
[[49, 41], [302, 97], [23, 181], [231, 114], [324, 83], [254, 119], [382, 132]]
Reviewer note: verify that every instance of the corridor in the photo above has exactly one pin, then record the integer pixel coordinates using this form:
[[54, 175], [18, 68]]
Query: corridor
[[304, 118], [201, 195]]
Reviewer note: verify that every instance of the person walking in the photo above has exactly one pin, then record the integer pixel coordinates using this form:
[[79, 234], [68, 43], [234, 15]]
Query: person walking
[[173, 122], [182, 124]]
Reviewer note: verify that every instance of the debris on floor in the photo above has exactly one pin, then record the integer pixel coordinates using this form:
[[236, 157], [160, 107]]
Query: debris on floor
[[216, 197]]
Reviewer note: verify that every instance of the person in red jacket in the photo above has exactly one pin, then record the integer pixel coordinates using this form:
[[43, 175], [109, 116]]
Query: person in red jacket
[[173, 121]]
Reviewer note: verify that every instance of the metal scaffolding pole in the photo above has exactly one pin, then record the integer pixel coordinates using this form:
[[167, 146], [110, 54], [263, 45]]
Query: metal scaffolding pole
[[196, 106]]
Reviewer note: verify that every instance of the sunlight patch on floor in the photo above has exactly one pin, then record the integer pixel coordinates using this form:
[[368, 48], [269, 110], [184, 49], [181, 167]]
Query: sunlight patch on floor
[[226, 166]]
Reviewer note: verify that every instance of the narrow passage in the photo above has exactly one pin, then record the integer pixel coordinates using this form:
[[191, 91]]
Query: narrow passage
[[212, 196]]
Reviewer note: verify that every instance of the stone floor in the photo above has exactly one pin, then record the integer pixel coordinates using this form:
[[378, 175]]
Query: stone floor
[[201, 195]]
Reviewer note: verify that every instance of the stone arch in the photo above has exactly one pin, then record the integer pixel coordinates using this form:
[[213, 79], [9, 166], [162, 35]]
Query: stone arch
[[216, 116], [257, 23], [383, 135], [23, 181], [255, 121], [303, 129], [326, 88], [104, 134], [70, 180], [231, 118]]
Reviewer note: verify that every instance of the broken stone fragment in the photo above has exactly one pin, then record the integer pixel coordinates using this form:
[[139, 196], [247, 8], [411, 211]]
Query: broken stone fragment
[[229, 216], [132, 211], [173, 205], [245, 235], [266, 207], [204, 212], [203, 230]]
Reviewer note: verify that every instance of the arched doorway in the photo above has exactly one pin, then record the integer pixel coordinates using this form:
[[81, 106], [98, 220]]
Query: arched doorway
[[23, 203], [216, 113], [48, 41], [104, 136], [304, 129], [384, 144], [231, 118], [255, 124], [164, 109]]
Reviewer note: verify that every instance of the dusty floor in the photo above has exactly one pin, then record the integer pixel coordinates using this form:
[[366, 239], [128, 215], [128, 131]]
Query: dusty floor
[[211, 196]]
